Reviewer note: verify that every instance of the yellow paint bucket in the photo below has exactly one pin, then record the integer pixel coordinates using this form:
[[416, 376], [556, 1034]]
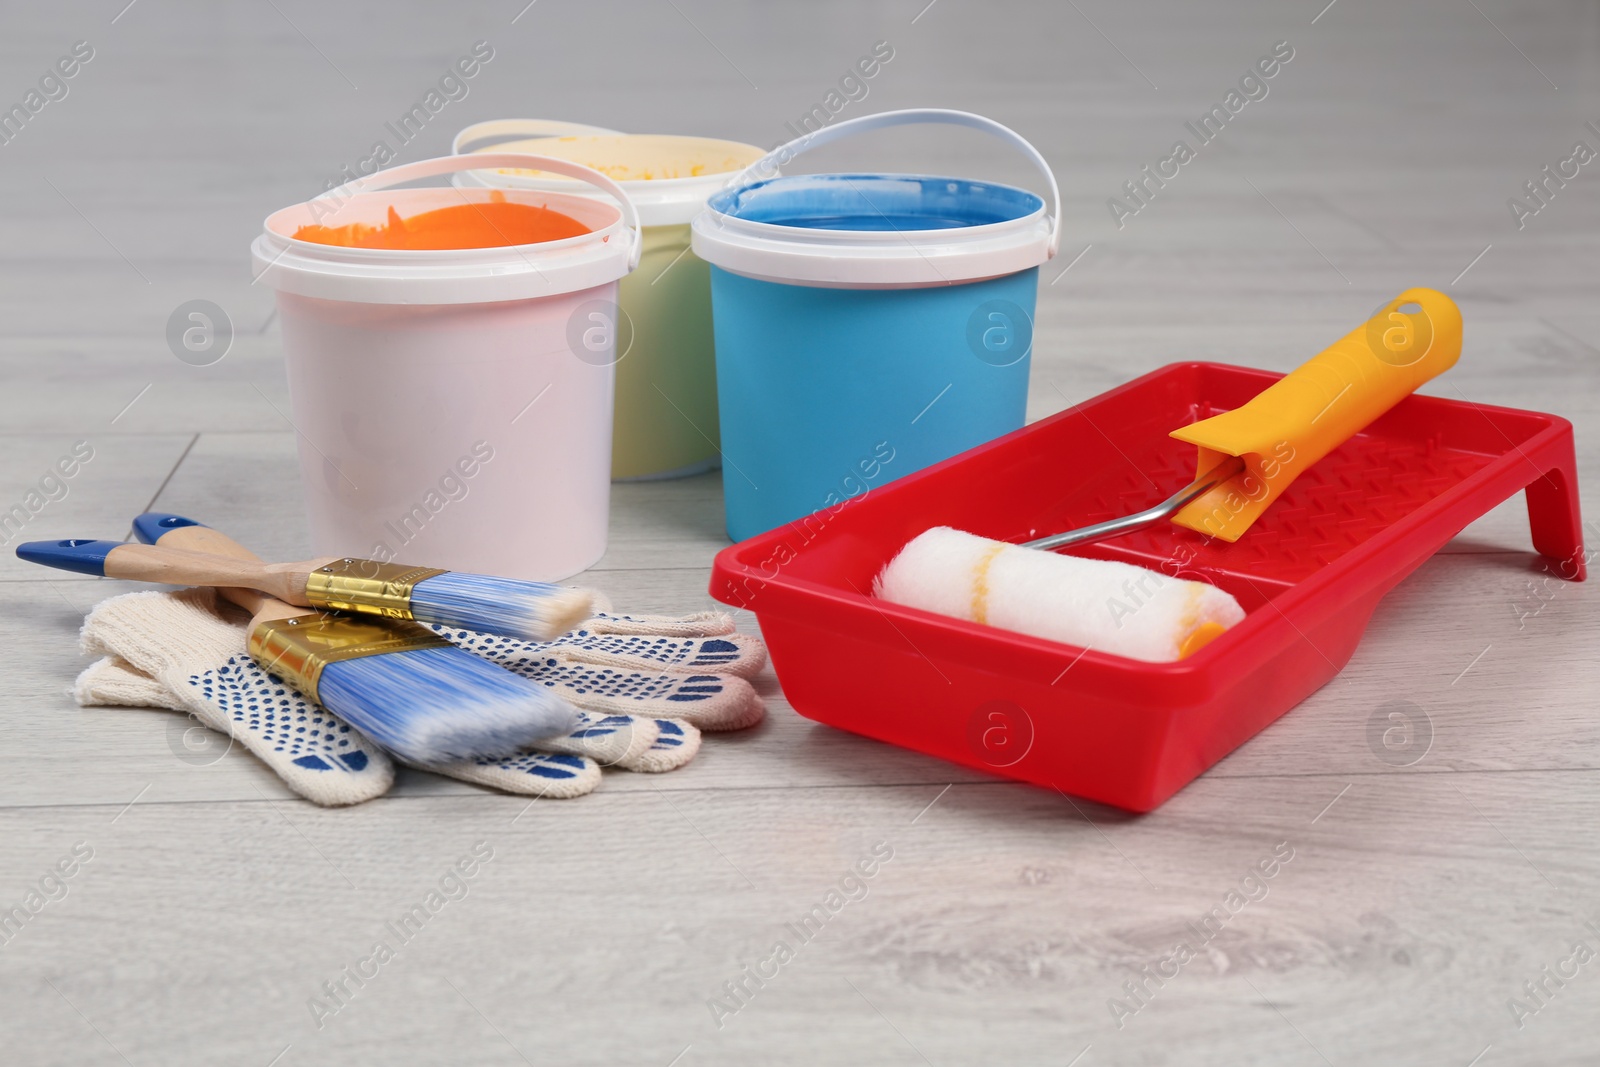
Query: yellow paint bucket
[[666, 423]]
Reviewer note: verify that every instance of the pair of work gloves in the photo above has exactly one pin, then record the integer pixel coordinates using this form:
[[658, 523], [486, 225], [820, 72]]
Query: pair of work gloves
[[645, 687]]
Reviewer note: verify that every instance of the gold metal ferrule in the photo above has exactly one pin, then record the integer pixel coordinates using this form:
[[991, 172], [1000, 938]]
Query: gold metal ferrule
[[366, 586], [298, 649]]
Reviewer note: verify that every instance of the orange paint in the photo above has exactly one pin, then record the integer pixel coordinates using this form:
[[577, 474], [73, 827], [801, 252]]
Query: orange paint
[[490, 224]]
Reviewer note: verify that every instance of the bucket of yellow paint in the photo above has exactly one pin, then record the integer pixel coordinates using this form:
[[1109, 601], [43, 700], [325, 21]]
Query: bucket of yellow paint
[[666, 423]]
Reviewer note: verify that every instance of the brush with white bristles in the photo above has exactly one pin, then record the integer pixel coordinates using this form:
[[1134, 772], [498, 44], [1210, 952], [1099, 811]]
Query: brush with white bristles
[[531, 611], [400, 684]]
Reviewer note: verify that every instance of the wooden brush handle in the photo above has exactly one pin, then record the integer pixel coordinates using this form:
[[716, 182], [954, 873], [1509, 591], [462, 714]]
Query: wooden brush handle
[[193, 537], [204, 539], [199, 538], [174, 566], [263, 608]]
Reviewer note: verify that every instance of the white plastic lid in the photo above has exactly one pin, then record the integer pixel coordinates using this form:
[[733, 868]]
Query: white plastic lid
[[671, 195], [758, 228], [449, 276]]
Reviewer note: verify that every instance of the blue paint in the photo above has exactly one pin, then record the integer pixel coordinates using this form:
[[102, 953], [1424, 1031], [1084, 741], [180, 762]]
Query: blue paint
[[867, 202]]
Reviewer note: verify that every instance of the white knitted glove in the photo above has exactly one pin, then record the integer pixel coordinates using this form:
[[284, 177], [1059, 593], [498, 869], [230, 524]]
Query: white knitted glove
[[111, 680], [176, 650], [180, 651], [693, 667]]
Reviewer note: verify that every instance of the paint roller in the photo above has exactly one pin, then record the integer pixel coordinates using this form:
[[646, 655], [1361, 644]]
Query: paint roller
[[1246, 458]]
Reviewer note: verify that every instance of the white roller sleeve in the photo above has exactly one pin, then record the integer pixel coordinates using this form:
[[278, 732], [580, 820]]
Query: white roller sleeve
[[1112, 607]]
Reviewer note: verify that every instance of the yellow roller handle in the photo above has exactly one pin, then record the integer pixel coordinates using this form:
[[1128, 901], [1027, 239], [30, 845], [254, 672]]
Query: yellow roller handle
[[1314, 409]]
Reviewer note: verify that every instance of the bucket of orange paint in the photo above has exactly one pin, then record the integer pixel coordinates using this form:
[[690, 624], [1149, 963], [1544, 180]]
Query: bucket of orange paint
[[450, 391], [667, 423]]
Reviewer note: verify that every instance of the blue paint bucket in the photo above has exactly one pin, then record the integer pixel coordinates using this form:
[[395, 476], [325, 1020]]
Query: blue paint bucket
[[867, 325]]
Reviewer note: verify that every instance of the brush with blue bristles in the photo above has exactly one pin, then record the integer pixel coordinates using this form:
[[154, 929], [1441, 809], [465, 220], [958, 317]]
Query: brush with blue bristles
[[530, 611], [397, 682]]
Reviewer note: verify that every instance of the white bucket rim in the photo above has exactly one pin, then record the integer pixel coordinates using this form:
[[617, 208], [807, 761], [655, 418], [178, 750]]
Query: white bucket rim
[[453, 276], [889, 258], [888, 237]]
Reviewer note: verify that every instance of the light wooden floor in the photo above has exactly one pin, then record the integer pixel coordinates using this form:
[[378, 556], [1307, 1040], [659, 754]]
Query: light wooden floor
[[1419, 899]]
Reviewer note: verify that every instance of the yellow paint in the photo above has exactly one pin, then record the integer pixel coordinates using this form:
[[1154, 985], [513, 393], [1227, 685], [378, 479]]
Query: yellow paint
[[1195, 634], [636, 157], [978, 611]]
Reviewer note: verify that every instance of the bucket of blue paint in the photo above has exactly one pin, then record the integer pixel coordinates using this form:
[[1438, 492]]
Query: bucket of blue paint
[[867, 325]]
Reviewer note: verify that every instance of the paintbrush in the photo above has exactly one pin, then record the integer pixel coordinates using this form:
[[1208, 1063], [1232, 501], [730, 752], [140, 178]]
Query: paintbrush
[[531, 611], [400, 684]]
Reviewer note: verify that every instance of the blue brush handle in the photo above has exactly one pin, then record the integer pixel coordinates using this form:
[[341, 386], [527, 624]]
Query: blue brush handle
[[149, 527], [83, 557]]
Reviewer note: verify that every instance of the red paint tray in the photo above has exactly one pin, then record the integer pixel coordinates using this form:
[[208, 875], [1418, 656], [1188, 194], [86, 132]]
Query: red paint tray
[[1309, 574]]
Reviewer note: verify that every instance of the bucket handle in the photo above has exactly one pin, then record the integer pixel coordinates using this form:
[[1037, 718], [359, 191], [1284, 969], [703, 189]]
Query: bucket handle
[[430, 168], [768, 164]]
